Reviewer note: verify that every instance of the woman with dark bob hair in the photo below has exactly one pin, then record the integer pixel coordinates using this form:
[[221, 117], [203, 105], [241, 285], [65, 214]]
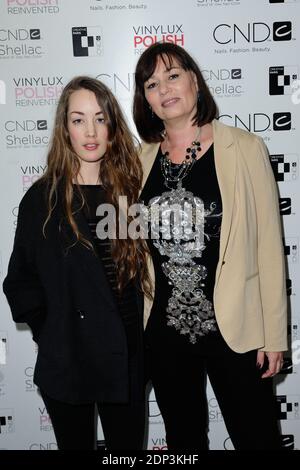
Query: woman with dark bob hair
[[215, 239], [79, 290]]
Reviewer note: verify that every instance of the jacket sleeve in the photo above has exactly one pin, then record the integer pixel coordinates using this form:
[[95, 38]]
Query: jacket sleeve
[[22, 286], [271, 264]]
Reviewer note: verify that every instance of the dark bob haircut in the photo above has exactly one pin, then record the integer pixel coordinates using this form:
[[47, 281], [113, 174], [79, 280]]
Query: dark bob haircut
[[150, 126]]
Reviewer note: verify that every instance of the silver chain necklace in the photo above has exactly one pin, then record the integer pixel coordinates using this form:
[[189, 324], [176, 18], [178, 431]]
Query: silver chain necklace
[[175, 173]]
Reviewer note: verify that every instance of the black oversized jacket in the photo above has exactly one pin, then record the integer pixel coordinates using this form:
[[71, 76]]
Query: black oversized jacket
[[63, 294]]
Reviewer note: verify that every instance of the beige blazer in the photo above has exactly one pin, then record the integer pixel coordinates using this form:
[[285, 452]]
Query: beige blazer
[[250, 289]]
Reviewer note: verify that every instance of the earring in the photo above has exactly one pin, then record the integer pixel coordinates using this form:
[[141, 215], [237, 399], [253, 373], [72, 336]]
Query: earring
[[152, 113]]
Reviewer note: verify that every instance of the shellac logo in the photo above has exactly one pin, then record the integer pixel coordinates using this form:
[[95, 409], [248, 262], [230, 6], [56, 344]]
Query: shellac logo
[[29, 385], [87, 41], [285, 166], [26, 134], [224, 82], [214, 412], [281, 78], [20, 43]]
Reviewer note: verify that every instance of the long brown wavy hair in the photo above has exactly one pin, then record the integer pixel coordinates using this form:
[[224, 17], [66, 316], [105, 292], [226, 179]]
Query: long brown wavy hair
[[120, 174]]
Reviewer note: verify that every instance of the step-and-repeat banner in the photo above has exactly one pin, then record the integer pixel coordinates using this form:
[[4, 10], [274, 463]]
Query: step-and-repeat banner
[[249, 54]]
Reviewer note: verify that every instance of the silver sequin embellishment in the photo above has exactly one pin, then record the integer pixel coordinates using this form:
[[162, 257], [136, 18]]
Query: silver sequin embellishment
[[177, 220]]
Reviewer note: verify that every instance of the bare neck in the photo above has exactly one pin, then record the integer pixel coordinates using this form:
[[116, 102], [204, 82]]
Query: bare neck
[[89, 173]]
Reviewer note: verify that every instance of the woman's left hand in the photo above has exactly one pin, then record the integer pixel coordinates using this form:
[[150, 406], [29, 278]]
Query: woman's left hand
[[275, 362]]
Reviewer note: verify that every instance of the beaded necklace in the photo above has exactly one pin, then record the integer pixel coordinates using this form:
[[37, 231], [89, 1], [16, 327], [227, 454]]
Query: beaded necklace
[[175, 173]]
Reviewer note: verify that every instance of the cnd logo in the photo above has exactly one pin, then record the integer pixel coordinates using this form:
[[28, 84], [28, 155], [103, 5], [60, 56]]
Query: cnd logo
[[282, 31], [256, 32]]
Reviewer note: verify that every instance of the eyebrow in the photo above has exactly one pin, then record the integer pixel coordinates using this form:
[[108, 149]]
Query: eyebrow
[[167, 70], [82, 114]]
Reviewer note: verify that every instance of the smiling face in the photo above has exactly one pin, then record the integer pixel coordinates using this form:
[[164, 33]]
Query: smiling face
[[172, 91], [87, 127]]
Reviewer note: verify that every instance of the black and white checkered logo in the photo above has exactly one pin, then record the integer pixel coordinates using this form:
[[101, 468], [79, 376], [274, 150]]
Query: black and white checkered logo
[[285, 166], [6, 421], [291, 248], [293, 330], [283, 1], [288, 407], [87, 41], [281, 78]]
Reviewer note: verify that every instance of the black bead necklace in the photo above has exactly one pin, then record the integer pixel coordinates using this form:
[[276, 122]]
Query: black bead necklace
[[176, 172]]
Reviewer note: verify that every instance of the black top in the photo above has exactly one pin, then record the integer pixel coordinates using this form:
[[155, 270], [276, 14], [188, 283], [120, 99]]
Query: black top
[[185, 269], [126, 300]]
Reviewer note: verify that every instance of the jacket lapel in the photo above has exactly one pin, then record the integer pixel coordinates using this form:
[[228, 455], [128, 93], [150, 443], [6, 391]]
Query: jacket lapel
[[225, 161], [148, 155]]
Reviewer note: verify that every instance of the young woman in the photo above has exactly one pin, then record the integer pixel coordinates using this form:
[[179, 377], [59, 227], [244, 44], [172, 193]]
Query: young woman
[[80, 294], [220, 299]]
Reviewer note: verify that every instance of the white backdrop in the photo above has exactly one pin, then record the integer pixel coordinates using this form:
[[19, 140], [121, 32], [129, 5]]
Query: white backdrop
[[249, 54]]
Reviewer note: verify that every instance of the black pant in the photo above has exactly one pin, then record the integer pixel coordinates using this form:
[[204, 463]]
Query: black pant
[[246, 401], [123, 425]]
